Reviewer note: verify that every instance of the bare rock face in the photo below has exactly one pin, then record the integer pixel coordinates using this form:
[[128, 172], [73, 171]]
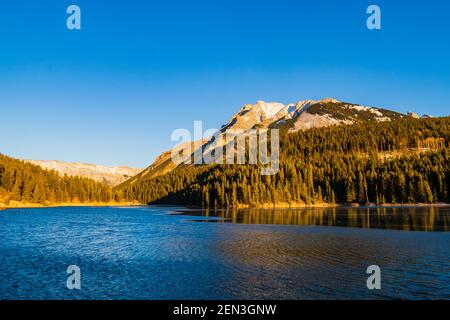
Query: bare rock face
[[413, 115], [309, 120], [111, 176]]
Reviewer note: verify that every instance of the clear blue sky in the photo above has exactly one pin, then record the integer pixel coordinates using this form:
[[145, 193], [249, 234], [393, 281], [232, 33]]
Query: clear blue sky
[[113, 92]]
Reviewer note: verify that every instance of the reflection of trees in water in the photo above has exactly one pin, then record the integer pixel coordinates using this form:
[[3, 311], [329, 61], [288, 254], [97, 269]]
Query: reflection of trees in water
[[399, 218]]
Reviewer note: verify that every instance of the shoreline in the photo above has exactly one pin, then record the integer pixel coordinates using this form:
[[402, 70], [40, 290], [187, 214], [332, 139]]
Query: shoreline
[[19, 205], [27, 205], [344, 205], [323, 206]]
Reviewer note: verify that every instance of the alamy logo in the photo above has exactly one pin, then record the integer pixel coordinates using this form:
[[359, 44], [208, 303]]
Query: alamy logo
[[374, 20], [74, 279], [374, 281], [227, 147], [73, 21]]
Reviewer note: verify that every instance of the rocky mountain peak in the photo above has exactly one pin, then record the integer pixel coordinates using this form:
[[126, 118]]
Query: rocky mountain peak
[[302, 115]]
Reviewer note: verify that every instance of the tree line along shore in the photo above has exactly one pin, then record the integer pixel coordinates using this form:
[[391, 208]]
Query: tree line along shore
[[404, 161]]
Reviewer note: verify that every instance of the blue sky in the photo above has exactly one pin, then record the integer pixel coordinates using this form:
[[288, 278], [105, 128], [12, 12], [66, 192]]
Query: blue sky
[[113, 92]]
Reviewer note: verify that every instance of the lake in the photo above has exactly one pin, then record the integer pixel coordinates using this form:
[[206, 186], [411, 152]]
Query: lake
[[178, 253]]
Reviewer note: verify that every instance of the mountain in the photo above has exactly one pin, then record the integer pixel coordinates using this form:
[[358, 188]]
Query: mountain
[[110, 176], [161, 165], [403, 161], [306, 114], [293, 117]]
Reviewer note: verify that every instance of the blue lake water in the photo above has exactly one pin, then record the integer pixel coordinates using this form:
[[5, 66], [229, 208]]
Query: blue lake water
[[175, 253]]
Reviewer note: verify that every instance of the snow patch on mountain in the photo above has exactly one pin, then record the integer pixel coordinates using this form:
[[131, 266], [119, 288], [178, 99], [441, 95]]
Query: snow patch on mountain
[[270, 109], [307, 121]]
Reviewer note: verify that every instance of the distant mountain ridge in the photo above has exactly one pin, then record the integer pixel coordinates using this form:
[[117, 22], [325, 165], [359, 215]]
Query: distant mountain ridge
[[24, 184], [293, 117], [110, 176]]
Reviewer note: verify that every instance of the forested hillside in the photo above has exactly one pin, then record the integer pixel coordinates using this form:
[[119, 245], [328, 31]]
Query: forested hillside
[[28, 183], [401, 161]]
